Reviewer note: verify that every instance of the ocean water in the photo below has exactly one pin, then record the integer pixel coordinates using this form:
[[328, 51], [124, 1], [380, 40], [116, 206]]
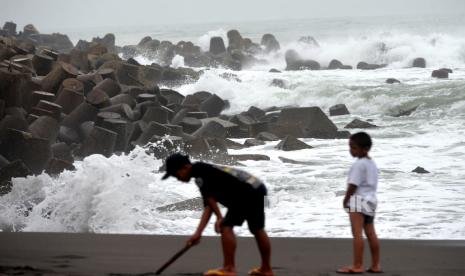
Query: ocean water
[[120, 194]]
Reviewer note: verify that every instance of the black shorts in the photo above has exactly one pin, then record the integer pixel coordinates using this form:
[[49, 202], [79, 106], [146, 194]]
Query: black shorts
[[251, 209], [368, 219]]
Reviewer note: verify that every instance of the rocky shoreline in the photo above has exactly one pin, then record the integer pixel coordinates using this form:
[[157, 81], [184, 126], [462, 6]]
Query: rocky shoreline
[[61, 102]]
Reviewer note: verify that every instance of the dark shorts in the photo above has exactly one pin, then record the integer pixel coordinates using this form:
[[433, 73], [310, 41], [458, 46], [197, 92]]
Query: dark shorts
[[368, 219], [251, 210]]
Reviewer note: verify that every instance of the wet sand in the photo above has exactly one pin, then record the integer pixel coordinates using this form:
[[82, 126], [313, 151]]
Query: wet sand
[[98, 254]]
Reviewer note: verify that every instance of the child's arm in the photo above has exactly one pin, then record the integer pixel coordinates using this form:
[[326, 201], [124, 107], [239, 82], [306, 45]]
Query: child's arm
[[351, 188], [215, 209], [195, 239]]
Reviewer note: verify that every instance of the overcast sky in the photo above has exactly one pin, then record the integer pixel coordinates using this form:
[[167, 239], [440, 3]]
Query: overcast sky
[[59, 14]]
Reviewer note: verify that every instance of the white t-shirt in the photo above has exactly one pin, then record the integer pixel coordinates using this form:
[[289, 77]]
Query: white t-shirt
[[364, 175]]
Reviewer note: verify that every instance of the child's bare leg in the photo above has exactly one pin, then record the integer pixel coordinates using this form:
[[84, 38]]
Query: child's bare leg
[[357, 221], [374, 246], [228, 241], [264, 246]]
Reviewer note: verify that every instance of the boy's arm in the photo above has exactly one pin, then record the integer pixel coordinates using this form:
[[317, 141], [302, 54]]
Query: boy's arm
[[206, 215], [215, 209], [351, 188]]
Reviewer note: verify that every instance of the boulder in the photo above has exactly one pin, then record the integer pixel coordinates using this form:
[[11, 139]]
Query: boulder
[[336, 64], [100, 141], [56, 41], [84, 112], [56, 166], [211, 129], [338, 109], [29, 30], [34, 152], [366, 66], [404, 111], [273, 70], [152, 129], [14, 169], [304, 122], [51, 83], [62, 151], [108, 41], [419, 62], [110, 86], [45, 127], [296, 162], [290, 143], [197, 147], [9, 28], [295, 62], [217, 45], [420, 170], [253, 142], [270, 43], [3, 161], [69, 100], [213, 105], [392, 81], [235, 40], [42, 64], [278, 83], [440, 74], [267, 136], [256, 113], [247, 157], [356, 123]]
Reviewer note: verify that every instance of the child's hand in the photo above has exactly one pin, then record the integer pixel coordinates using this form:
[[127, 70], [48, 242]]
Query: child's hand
[[218, 225], [194, 239]]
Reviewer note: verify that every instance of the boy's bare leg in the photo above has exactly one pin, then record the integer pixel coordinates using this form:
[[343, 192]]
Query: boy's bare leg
[[357, 221], [228, 240], [374, 246], [264, 246]]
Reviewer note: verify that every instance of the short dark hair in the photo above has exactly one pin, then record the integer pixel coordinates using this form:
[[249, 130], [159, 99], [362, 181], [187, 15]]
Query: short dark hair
[[362, 139]]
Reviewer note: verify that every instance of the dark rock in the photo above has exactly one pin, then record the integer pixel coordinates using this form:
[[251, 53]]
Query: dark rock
[[290, 143], [235, 40], [419, 62], [69, 100], [62, 151], [256, 113], [440, 74], [356, 123], [305, 122], [256, 128], [211, 129], [34, 152], [227, 125], [56, 166], [9, 28], [124, 99], [365, 66], [217, 45], [84, 112], [230, 77], [246, 157], [212, 105], [172, 76], [278, 83], [108, 41], [336, 64], [172, 96], [198, 115], [30, 29], [190, 125], [253, 142], [420, 170], [274, 71], [392, 81], [14, 122], [404, 112], [56, 41], [295, 62], [344, 134], [151, 130], [15, 169], [156, 114], [42, 64], [3, 161], [45, 127], [100, 141], [337, 110], [53, 80], [51, 108], [194, 204], [68, 135], [120, 128], [267, 136], [290, 161], [270, 43], [197, 147], [447, 70], [111, 87], [233, 145]]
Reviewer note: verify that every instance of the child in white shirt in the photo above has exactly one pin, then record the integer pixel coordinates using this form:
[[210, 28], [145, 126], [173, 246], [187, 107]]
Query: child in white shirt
[[361, 202]]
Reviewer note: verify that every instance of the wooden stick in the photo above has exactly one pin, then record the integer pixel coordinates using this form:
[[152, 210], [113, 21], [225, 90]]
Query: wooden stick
[[173, 259]]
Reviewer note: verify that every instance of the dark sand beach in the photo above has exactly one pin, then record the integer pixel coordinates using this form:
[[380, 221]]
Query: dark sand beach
[[97, 254]]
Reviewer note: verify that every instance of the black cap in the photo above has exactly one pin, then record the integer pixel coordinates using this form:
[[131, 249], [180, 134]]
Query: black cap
[[175, 162]]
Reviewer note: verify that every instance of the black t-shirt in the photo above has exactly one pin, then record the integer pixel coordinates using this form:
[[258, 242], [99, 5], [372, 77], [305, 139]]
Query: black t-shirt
[[228, 186]]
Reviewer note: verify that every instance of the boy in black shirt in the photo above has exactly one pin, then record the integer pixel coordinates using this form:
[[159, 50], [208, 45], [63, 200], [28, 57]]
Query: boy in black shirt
[[241, 193]]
